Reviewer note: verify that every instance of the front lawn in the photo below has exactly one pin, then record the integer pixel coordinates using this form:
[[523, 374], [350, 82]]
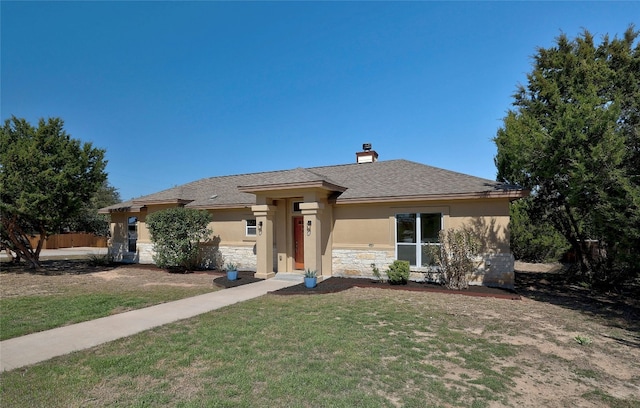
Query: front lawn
[[36, 302], [363, 347]]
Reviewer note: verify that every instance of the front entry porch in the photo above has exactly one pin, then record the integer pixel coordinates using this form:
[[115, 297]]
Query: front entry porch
[[291, 238]]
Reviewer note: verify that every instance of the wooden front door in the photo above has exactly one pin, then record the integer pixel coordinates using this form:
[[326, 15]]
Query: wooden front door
[[298, 243]]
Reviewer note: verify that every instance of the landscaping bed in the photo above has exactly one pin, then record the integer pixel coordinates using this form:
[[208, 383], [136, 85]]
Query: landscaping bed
[[244, 278], [338, 284]]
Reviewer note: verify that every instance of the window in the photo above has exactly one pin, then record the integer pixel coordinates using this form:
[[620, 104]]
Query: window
[[415, 234], [251, 228], [132, 233]]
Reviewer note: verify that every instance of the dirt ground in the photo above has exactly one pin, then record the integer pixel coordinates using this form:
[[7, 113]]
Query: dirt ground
[[576, 347], [58, 276]]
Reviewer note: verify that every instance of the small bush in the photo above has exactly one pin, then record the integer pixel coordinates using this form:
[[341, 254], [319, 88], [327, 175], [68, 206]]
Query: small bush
[[582, 340], [101, 260], [376, 272], [398, 272]]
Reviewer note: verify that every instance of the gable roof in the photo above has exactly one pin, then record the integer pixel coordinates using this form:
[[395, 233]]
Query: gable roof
[[390, 180]]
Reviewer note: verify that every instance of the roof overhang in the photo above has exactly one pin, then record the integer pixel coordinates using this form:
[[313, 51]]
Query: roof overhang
[[177, 201], [222, 206], [135, 206], [510, 195]]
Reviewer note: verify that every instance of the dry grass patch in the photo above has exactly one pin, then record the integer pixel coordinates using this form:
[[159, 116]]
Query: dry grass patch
[[361, 347], [74, 291]]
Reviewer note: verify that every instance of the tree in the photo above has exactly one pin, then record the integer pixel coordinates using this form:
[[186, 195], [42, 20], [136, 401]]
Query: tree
[[176, 234], [532, 238], [88, 219], [45, 177], [573, 138]]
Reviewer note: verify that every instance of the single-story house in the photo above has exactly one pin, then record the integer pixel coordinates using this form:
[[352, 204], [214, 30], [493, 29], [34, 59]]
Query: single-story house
[[337, 220]]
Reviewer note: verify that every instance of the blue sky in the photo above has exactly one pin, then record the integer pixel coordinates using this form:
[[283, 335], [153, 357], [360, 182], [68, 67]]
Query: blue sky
[[178, 91]]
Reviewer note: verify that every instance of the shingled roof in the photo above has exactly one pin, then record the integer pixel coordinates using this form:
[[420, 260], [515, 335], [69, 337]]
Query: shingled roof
[[390, 180]]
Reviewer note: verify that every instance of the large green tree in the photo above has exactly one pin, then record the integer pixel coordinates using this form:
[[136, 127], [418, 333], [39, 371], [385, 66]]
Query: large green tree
[[45, 179], [573, 138], [88, 219]]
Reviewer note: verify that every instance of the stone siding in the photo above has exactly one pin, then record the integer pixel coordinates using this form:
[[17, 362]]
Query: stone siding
[[118, 251], [493, 270], [213, 257], [243, 256], [496, 270], [145, 253], [357, 262]]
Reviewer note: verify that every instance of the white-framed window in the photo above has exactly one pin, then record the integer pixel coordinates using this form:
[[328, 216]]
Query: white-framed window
[[250, 228], [415, 234]]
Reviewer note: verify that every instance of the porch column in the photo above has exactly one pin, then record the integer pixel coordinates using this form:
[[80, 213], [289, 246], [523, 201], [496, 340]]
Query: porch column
[[265, 215], [312, 235]]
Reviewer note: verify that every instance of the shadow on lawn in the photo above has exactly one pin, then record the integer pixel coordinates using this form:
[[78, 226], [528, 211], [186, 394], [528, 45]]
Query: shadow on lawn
[[59, 267], [619, 310]]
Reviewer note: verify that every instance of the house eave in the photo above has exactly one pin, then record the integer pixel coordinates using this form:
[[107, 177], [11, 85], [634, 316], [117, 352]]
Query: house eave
[[238, 206], [178, 201], [510, 195], [125, 208], [136, 206]]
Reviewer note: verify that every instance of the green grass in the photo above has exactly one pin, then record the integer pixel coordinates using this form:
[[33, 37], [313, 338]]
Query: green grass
[[609, 401], [320, 351], [29, 314], [363, 348]]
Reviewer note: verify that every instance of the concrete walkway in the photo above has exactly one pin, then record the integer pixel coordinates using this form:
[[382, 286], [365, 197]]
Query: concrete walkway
[[34, 348]]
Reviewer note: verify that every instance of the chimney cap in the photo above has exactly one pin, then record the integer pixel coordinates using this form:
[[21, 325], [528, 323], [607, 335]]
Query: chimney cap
[[366, 147]]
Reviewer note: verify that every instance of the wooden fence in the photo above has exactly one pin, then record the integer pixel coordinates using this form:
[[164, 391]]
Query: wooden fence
[[71, 240]]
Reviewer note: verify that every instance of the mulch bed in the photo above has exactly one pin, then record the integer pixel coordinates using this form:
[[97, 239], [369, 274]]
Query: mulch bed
[[337, 284], [244, 277]]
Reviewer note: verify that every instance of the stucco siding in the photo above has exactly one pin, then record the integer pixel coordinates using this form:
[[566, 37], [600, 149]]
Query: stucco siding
[[362, 225], [347, 238]]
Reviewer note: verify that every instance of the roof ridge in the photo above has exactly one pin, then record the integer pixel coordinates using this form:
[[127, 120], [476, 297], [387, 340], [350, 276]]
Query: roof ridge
[[355, 164], [324, 178]]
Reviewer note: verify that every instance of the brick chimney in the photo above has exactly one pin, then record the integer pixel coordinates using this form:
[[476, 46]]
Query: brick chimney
[[366, 155]]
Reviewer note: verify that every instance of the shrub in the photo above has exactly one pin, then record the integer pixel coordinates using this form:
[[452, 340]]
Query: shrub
[[376, 272], [398, 272], [455, 256], [101, 260], [176, 234]]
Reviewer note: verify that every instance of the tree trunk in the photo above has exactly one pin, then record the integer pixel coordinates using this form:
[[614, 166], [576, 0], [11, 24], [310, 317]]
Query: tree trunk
[[20, 242], [587, 263]]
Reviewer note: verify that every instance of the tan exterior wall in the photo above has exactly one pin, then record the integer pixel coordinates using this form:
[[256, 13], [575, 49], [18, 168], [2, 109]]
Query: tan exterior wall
[[365, 234], [373, 225], [229, 231], [343, 239], [489, 219]]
